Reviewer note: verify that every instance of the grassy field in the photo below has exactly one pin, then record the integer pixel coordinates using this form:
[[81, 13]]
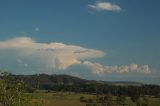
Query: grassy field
[[59, 99], [72, 99]]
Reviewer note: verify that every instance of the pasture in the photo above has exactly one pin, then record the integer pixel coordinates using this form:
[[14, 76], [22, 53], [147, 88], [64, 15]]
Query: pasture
[[73, 99]]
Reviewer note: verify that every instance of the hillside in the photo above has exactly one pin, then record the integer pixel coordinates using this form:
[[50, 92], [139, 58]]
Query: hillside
[[41, 80], [75, 84]]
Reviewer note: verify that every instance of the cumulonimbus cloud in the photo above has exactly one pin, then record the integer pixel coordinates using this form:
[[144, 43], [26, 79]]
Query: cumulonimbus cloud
[[61, 56], [55, 55], [105, 6]]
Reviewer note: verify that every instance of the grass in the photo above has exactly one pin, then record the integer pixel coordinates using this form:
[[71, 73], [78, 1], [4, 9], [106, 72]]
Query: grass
[[59, 98], [72, 99]]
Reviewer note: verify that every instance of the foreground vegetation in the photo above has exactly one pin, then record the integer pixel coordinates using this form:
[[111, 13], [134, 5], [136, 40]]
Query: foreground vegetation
[[13, 92], [18, 92]]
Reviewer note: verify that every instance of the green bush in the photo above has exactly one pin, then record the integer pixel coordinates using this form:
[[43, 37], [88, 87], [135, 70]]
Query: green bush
[[12, 95]]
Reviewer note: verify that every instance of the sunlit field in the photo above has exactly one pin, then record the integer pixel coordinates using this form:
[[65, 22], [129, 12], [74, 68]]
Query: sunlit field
[[59, 99], [73, 99]]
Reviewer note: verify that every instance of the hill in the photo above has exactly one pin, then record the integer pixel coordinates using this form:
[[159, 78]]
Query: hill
[[41, 80], [75, 84]]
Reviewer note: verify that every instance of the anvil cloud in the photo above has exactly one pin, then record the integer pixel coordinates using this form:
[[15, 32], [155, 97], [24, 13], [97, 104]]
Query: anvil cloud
[[61, 56]]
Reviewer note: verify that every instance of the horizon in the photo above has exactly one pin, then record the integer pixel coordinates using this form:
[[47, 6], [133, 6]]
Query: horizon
[[108, 40], [108, 81]]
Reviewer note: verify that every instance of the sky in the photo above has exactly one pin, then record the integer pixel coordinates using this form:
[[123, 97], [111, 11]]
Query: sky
[[110, 40]]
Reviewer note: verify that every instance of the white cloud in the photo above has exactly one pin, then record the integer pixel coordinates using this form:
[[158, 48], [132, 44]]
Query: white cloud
[[100, 69], [105, 6], [61, 56], [53, 55], [96, 68]]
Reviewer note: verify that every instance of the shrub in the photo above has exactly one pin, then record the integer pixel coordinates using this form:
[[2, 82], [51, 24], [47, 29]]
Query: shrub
[[12, 95]]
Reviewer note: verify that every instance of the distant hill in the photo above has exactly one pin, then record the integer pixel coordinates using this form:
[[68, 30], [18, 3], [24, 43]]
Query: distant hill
[[51, 80], [67, 83], [41, 80], [125, 83]]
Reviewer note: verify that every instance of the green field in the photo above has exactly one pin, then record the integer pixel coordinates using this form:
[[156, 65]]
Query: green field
[[72, 99], [59, 99]]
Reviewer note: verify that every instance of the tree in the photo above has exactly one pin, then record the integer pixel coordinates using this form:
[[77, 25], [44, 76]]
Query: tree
[[12, 95], [121, 99], [12, 92]]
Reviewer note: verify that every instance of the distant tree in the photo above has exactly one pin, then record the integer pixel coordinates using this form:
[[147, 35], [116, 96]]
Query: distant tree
[[121, 99], [82, 99], [146, 100], [134, 98], [108, 99], [141, 102]]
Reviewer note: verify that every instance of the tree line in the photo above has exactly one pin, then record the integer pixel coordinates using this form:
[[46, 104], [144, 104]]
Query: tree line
[[14, 87], [73, 84]]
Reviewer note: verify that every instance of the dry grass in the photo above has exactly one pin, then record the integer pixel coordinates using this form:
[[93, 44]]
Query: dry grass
[[72, 99]]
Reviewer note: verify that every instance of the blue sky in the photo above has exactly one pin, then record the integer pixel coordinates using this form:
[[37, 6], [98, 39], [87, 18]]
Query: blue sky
[[120, 33]]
